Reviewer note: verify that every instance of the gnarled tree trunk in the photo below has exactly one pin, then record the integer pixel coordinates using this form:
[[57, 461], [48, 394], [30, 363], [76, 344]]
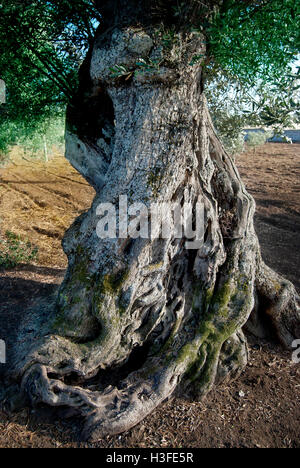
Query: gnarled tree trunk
[[138, 320]]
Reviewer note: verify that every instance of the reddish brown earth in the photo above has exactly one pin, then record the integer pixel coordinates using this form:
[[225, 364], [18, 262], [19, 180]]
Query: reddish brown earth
[[272, 177], [260, 409]]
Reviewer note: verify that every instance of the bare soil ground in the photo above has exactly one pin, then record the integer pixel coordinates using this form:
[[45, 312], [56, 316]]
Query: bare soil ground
[[260, 409], [272, 177]]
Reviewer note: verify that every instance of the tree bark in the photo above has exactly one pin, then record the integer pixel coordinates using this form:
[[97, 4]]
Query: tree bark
[[139, 320]]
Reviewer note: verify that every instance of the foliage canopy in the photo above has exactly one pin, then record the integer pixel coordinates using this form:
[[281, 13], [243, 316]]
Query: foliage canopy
[[44, 43], [255, 40]]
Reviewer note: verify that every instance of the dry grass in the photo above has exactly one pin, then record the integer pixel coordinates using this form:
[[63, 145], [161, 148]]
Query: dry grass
[[39, 201]]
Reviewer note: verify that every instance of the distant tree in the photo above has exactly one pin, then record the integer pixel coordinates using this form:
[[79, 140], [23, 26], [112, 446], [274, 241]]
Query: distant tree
[[234, 105]]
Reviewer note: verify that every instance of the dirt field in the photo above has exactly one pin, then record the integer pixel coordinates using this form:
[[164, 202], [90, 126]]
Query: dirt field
[[272, 177], [39, 201], [261, 409]]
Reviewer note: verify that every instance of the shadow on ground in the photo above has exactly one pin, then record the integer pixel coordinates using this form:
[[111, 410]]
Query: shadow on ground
[[20, 290]]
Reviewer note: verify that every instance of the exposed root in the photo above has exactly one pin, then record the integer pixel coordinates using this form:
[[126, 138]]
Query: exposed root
[[113, 410], [278, 305]]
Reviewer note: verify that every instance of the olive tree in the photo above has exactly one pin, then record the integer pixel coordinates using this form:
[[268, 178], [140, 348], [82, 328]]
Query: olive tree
[[139, 318]]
